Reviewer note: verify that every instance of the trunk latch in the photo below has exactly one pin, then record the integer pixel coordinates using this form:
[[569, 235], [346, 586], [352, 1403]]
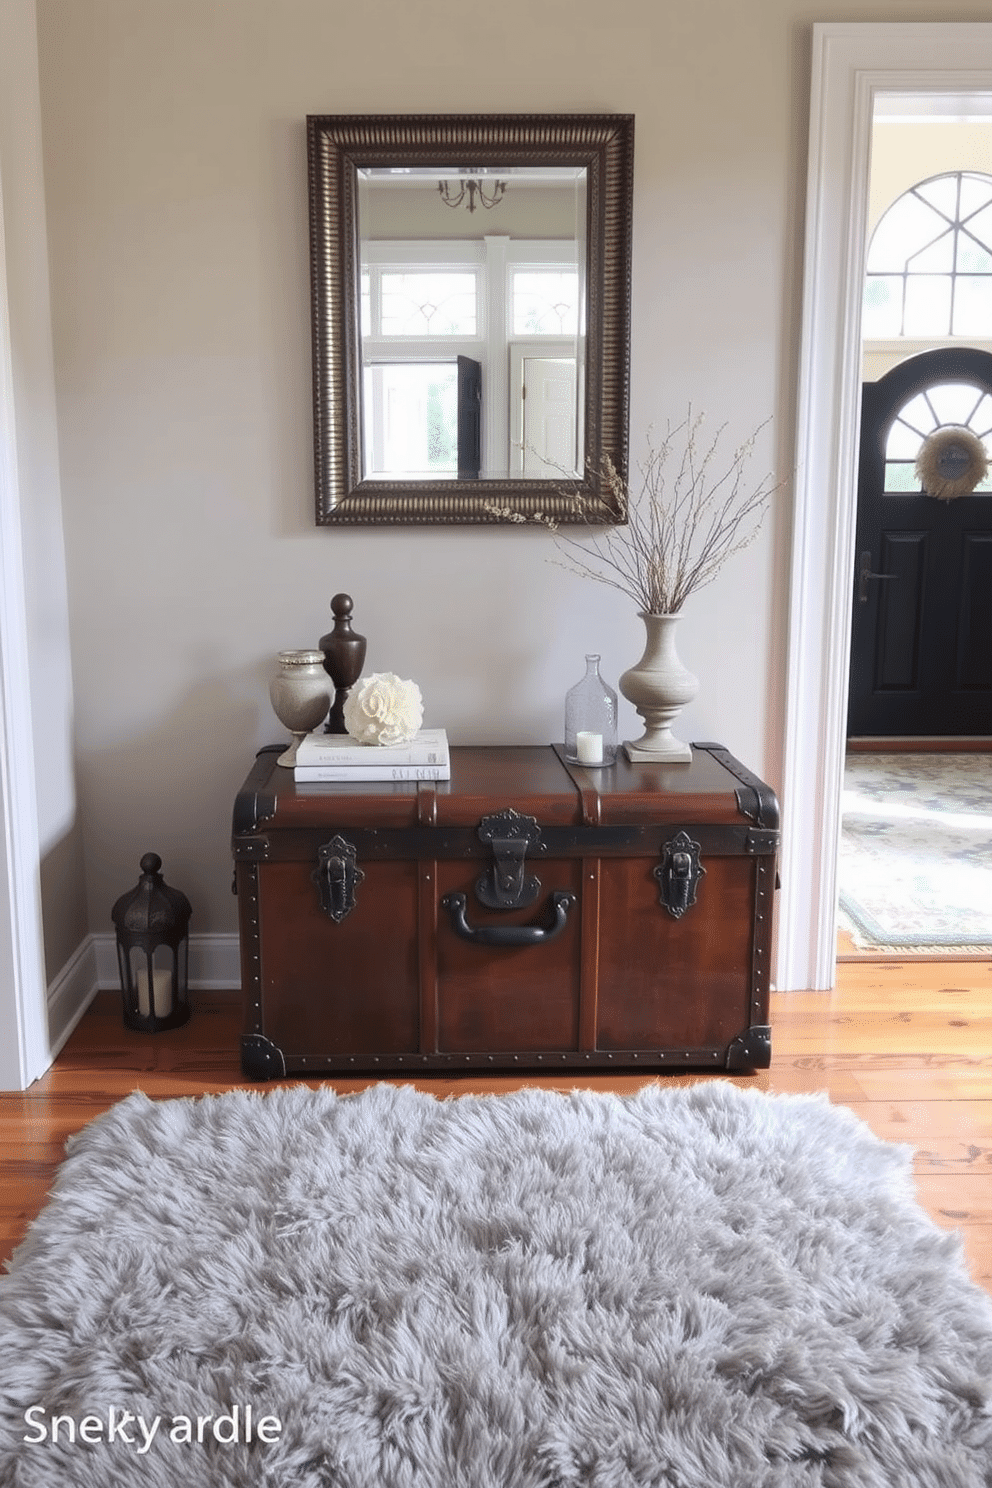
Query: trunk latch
[[506, 884], [337, 876], [678, 873]]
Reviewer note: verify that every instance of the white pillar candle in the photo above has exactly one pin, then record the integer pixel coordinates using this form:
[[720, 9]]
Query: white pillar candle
[[589, 747], [161, 991]]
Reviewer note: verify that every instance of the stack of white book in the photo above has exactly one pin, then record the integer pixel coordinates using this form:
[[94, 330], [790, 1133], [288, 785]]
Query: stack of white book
[[337, 757]]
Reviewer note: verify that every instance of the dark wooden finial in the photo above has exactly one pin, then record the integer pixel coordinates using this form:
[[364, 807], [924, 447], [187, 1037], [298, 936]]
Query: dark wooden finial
[[344, 657]]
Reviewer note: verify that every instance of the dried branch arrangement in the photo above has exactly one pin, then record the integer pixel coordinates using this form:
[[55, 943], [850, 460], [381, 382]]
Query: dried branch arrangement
[[690, 515]]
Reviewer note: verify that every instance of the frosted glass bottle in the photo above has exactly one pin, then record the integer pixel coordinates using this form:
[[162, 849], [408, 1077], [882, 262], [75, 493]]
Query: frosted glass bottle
[[591, 720]]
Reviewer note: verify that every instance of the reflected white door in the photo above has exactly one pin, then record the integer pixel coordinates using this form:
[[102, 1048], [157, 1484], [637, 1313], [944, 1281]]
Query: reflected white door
[[548, 416]]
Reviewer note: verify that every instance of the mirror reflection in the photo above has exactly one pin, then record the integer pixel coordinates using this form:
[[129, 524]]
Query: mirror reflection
[[472, 321]]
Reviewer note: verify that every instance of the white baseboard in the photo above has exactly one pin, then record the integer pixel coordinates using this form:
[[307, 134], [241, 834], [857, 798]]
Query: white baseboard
[[71, 993], [214, 962], [214, 966]]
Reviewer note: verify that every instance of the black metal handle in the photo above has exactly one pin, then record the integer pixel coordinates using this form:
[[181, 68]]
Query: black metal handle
[[865, 575], [508, 935]]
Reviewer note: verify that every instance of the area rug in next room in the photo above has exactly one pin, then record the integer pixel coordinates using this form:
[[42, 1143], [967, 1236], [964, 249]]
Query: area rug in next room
[[915, 864], [703, 1287]]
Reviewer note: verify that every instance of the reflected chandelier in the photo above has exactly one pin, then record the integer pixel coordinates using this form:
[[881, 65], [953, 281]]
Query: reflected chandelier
[[472, 189]]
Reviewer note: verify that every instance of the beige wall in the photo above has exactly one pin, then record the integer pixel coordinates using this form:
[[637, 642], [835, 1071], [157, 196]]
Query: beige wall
[[176, 188], [903, 153]]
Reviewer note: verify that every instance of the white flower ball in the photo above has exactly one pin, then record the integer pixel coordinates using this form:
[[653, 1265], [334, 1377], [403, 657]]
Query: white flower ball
[[383, 709]]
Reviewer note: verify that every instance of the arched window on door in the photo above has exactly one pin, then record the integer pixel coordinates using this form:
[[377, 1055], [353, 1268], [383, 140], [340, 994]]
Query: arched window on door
[[929, 269], [943, 404]]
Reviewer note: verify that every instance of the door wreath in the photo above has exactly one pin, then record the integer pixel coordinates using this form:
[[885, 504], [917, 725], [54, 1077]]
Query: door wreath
[[952, 462]]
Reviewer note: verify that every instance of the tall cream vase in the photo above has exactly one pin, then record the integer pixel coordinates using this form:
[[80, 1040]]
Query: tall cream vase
[[659, 687]]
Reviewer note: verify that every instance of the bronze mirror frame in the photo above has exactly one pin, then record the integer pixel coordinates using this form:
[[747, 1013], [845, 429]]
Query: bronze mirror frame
[[337, 147]]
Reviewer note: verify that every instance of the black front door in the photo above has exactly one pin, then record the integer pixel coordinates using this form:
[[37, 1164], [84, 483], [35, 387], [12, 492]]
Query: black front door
[[921, 641]]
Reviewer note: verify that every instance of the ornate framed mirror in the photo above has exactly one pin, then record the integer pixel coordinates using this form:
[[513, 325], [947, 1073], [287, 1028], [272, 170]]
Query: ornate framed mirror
[[470, 283]]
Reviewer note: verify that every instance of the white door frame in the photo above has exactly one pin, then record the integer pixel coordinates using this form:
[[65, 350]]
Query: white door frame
[[24, 1043], [852, 62]]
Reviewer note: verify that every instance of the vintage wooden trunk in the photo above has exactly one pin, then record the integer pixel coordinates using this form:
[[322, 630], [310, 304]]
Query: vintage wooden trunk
[[526, 914]]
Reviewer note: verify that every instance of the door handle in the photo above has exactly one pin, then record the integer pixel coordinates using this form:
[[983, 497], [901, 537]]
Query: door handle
[[865, 575]]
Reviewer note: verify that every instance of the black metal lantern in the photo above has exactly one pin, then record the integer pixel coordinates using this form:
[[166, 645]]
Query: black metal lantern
[[153, 951]]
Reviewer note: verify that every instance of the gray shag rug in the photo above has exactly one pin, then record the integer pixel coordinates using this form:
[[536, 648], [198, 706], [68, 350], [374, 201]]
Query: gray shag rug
[[703, 1287]]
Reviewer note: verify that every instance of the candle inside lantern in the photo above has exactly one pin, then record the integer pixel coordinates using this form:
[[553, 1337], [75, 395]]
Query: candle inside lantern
[[160, 1001], [589, 747]]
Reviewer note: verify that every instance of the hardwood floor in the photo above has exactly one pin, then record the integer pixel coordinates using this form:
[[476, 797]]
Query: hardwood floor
[[908, 1046]]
